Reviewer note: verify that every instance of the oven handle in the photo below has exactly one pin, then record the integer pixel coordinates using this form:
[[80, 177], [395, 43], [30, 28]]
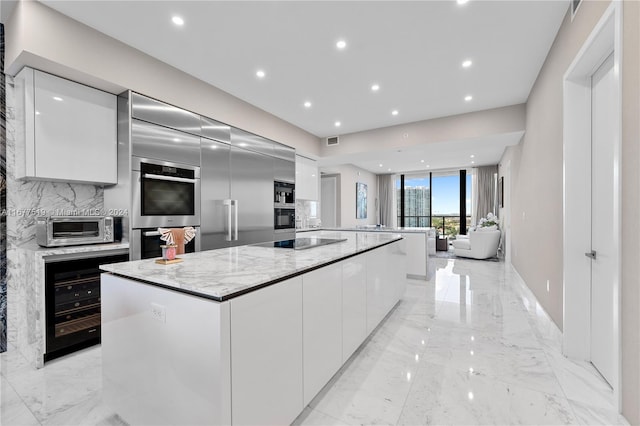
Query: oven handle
[[151, 234], [169, 178]]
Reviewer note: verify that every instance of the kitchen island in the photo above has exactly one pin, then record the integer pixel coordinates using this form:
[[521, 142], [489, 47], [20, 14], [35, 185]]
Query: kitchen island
[[244, 335], [420, 242]]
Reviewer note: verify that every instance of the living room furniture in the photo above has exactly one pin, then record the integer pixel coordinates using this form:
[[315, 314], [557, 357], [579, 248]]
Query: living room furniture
[[479, 244], [442, 243]]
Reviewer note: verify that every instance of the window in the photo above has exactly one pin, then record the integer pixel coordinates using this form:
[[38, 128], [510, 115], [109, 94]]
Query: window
[[433, 199]]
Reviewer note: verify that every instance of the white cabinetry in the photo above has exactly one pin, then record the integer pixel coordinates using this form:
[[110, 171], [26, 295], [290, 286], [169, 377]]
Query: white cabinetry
[[70, 130], [354, 304], [266, 355], [322, 327], [307, 178]]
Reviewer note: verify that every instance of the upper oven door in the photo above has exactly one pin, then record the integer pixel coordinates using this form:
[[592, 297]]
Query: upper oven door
[[165, 194]]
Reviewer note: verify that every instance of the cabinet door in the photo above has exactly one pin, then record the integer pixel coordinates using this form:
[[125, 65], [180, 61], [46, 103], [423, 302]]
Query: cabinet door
[[354, 305], [266, 355], [75, 131], [322, 327], [307, 178]]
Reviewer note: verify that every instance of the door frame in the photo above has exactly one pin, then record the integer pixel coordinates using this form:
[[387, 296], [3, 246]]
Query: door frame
[[605, 39]]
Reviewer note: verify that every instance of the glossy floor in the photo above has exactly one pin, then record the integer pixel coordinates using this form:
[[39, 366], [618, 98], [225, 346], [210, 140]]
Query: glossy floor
[[469, 346]]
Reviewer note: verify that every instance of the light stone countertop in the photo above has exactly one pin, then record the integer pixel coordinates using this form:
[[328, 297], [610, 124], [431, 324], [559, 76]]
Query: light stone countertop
[[229, 272], [373, 228], [38, 251]]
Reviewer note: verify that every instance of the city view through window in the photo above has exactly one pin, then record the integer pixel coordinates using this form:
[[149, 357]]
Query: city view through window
[[435, 203]]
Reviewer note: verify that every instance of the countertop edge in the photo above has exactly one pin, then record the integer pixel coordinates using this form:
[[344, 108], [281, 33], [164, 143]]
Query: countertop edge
[[255, 287]]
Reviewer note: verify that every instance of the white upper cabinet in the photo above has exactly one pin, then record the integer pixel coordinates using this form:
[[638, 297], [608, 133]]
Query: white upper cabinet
[[70, 130], [307, 179]]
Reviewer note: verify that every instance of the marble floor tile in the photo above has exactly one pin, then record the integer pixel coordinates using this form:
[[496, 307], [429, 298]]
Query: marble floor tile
[[310, 417], [469, 346], [588, 414], [450, 396], [12, 410]]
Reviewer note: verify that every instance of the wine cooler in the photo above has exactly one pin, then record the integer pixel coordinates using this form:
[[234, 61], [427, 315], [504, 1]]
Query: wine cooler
[[72, 298]]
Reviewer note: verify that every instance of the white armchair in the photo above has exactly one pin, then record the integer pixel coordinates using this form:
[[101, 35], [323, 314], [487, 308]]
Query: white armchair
[[480, 244]]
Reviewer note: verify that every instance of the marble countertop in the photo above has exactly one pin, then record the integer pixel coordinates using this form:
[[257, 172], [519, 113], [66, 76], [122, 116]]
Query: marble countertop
[[32, 246], [225, 273], [383, 229]]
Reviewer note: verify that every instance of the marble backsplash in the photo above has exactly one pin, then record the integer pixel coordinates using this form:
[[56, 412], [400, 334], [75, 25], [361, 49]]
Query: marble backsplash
[[307, 214], [25, 201], [3, 202]]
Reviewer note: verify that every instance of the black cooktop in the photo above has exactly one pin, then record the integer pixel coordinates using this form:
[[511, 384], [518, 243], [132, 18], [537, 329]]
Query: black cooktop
[[303, 243]]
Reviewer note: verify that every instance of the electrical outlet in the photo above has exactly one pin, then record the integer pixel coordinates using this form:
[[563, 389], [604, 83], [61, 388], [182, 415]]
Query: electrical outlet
[[547, 286], [158, 312]]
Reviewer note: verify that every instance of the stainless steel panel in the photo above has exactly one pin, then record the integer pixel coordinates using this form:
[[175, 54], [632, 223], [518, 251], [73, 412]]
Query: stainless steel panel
[[215, 130], [284, 170], [153, 141], [251, 142], [215, 184], [117, 198], [283, 151], [154, 111], [252, 187]]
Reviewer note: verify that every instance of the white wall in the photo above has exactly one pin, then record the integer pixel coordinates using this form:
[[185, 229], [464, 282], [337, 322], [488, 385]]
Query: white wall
[[349, 175]]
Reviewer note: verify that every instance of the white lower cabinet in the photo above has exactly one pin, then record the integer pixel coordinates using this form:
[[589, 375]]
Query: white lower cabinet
[[322, 327], [354, 304], [266, 355], [376, 292]]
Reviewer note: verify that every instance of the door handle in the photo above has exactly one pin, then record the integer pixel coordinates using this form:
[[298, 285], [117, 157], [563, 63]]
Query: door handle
[[227, 203], [169, 178], [591, 254], [235, 204]]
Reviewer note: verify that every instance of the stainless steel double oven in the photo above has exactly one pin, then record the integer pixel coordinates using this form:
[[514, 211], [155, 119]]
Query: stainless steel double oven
[[165, 195]]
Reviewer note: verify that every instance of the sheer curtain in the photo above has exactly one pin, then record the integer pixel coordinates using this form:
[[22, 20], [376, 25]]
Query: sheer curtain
[[486, 190], [386, 195]]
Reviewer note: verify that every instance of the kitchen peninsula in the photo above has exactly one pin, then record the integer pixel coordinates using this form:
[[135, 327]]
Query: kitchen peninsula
[[242, 335]]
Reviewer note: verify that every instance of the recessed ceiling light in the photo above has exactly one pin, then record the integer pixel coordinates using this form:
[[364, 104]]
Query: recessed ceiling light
[[260, 74], [380, 164], [468, 98], [37, 112], [57, 98], [341, 44], [472, 156], [394, 112], [461, 2], [375, 87], [307, 104], [473, 162], [178, 20], [337, 123], [388, 170], [428, 166], [422, 161], [467, 63]]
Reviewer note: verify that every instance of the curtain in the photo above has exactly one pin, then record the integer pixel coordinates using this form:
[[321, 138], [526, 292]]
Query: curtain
[[386, 197], [486, 190]]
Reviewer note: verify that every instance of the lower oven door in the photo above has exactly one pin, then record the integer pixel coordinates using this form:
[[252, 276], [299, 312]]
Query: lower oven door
[[284, 218], [145, 243]]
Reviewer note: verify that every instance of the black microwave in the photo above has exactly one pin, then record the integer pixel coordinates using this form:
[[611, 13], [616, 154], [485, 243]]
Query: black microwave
[[284, 218]]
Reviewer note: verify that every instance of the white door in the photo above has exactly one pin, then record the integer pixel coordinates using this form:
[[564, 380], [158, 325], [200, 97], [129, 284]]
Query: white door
[[328, 201], [603, 238]]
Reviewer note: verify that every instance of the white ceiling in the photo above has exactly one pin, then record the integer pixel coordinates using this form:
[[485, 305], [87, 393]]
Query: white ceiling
[[413, 50]]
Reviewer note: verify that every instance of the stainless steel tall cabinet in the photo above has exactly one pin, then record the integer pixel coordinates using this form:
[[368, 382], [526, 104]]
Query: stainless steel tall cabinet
[[237, 174], [237, 170]]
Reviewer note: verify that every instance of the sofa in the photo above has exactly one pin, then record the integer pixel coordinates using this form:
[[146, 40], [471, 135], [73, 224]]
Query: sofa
[[479, 244]]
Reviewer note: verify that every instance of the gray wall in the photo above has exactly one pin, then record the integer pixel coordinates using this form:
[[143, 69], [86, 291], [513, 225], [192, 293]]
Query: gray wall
[[536, 173]]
